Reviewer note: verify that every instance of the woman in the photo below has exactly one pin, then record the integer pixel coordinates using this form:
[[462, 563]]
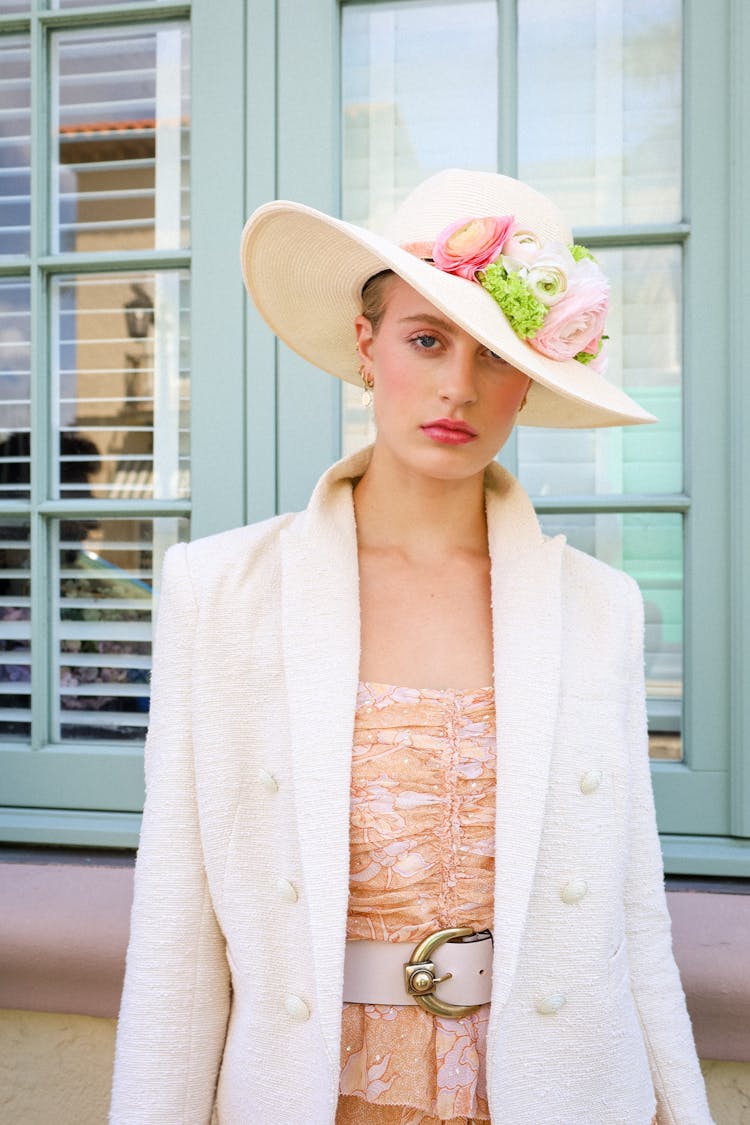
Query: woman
[[405, 714]]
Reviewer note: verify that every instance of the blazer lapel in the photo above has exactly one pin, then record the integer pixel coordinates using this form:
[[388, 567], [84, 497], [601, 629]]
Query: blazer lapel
[[320, 626], [526, 616]]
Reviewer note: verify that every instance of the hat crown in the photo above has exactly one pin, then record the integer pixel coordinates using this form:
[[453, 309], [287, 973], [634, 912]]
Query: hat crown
[[457, 194]]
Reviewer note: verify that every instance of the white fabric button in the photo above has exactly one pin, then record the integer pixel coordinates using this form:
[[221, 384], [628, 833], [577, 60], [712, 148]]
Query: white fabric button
[[268, 781], [296, 1007], [548, 1005], [590, 781], [286, 890], [574, 891]]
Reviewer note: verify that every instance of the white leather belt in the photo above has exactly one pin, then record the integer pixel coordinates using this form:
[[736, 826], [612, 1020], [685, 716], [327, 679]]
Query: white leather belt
[[459, 960]]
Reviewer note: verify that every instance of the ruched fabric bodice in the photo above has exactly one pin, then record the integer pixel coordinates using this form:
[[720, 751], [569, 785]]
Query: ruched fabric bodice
[[422, 858]]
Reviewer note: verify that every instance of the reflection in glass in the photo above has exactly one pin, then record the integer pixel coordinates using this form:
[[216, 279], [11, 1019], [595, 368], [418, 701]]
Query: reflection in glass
[[122, 385], [409, 93], [645, 346], [15, 142], [600, 107], [649, 547], [410, 100], [15, 631], [122, 116], [107, 573], [15, 382]]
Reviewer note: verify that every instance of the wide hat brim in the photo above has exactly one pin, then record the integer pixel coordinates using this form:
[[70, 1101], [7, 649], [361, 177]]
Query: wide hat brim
[[305, 271]]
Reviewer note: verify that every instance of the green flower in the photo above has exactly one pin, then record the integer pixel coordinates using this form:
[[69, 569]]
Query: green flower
[[524, 311], [580, 252]]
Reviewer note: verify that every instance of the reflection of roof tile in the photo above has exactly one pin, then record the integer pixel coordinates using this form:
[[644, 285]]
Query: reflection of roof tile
[[99, 127]]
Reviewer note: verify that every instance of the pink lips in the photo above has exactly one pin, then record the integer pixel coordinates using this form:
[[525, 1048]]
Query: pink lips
[[449, 431]]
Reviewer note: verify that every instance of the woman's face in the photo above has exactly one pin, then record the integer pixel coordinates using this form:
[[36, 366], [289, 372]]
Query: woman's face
[[427, 373]]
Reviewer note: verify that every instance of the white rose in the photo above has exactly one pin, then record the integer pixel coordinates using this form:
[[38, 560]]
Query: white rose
[[550, 272]]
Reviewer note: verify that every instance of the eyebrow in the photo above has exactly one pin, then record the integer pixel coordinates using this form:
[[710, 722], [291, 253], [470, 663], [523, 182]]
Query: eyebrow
[[427, 318]]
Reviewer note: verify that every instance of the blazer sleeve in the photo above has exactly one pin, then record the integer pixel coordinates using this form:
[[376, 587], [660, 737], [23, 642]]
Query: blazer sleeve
[[175, 1001], [655, 979]]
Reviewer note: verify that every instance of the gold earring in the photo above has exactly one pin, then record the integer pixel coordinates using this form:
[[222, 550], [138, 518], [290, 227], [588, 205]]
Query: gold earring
[[367, 384], [523, 402]]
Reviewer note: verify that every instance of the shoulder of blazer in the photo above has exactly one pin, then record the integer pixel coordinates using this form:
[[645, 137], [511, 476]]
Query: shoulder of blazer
[[221, 560], [599, 578], [606, 602]]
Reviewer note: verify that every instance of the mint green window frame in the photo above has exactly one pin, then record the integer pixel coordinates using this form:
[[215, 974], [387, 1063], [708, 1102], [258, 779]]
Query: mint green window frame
[[91, 794], [265, 424]]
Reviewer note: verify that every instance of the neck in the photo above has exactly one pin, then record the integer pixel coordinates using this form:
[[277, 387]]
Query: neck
[[424, 517]]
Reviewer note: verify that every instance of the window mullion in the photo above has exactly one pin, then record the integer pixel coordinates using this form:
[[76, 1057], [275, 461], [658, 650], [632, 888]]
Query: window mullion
[[39, 391], [739, 423]]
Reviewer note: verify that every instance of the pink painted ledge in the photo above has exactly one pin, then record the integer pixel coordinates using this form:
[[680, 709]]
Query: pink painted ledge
[[64, 932]]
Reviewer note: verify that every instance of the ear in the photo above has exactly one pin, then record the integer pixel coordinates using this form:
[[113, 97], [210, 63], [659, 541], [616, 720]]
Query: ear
[[363, 328]]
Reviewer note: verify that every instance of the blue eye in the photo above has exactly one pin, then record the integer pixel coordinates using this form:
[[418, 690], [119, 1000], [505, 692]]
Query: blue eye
[[427, 342]]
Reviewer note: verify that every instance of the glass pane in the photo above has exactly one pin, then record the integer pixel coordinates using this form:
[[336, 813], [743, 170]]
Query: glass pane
[[15, 631], [8, 7], [122, 385], [402, 120], [600, 107], [106, 573], [648, 546], [121, 117], [644, 326], [15, 144], [15, 384]]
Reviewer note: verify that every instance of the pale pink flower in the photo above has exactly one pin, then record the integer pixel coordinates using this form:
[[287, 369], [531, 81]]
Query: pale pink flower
[[521, 248], [576, 323], [469, 245]]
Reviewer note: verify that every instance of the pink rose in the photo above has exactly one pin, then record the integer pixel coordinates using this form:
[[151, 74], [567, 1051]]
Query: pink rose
[[576, 323], [469, 245]]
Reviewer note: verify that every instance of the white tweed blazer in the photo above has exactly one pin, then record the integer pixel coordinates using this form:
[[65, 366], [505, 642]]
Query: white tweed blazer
[[231, 1009]]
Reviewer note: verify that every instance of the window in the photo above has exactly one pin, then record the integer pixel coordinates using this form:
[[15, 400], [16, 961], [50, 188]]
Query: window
[[96, 350]]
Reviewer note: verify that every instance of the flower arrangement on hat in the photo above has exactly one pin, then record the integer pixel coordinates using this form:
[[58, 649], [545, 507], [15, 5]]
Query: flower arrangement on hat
[[554, 296]]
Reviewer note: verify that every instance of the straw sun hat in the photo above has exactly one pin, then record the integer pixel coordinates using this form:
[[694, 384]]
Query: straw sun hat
[[305, 271]]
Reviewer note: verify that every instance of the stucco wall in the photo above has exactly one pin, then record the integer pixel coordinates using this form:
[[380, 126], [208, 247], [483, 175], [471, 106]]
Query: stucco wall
[[55, 1069], [58, 1068]]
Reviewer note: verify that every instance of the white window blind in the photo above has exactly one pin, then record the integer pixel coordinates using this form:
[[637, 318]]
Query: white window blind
[[15, 143], [103, 583], [15, 631], [121, 385], [121, 112], [15, 385]]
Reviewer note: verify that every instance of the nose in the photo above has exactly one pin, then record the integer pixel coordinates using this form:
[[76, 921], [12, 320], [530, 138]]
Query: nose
[[457, 378]]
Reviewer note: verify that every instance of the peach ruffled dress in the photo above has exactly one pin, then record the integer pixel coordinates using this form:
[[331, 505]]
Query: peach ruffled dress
[[422, 858]]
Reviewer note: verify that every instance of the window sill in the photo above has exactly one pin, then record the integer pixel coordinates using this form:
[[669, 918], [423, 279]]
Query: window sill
[[66, 916]]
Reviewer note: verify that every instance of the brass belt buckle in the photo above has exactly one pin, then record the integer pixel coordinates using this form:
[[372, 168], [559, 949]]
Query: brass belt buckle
[[420, 974]]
